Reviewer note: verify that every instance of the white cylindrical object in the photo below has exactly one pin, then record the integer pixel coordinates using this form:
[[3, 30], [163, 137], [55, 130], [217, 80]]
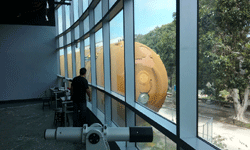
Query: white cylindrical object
[[72, 134], [50, 134], [117, 134]]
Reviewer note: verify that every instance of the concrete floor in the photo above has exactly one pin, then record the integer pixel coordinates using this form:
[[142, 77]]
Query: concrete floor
[[22, 128]]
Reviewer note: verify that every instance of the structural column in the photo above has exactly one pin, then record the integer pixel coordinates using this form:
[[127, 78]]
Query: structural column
[[187, 120], [128, 14]]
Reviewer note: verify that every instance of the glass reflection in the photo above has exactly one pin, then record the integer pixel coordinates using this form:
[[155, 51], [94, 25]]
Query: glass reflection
[[155, 56], [118, 113], [100, 101], [160, 141], [117, 54], [87, 59], [99, 58]]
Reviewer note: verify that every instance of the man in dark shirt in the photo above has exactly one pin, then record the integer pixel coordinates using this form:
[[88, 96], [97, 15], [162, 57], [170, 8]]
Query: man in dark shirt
[[79, 88]]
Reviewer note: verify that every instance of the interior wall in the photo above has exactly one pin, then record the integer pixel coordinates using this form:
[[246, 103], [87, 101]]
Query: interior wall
[[28, 61]]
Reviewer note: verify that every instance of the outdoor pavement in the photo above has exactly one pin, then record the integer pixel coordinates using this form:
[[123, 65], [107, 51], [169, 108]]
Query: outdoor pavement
[[227, 136]]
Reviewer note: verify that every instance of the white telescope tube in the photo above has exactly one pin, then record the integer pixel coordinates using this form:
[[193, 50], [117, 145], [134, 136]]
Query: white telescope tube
[[78, 134]]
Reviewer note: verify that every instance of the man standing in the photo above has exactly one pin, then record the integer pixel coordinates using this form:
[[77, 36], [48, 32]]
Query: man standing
[[79, 88]]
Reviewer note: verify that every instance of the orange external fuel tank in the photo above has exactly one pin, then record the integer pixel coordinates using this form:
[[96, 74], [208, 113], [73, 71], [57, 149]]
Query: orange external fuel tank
[[150, 73]]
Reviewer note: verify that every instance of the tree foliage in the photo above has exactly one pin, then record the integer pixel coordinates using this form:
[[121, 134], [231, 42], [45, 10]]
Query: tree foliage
[[163, 41], [224, 51], [224, 54]]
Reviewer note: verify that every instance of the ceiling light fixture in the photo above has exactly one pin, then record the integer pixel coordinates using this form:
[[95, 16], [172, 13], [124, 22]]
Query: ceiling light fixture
[[46, 17], [47, 4]]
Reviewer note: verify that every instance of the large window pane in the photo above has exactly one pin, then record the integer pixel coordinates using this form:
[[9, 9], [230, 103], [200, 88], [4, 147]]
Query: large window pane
[[155, 55], [223, 73], [98, 12], [118, 113], [99, 58], [67, 15], [69, 59], [100, 101], [160, 141], [87, 59], [62, 67], [117, 54], [78, 59], [60, 23], [75, 10], [86, 24]]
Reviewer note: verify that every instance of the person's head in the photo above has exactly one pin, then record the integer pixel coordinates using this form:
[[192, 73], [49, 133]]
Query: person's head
[[83, 71]]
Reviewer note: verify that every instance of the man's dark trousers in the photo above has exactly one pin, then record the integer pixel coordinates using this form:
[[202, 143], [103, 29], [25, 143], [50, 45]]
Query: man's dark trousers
[[79, 118]]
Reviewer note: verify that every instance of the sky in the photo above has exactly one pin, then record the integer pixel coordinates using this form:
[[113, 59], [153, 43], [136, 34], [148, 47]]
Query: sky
[[152, 13], [148, 15]]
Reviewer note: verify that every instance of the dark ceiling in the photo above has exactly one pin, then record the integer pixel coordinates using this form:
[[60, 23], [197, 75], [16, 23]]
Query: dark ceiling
[[28, 12]]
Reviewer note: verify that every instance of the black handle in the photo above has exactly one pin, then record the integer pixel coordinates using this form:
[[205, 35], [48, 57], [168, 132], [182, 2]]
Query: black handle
[[141, 134]]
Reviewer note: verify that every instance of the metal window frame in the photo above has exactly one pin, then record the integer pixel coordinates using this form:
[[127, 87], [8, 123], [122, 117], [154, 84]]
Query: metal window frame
[[129, 64]]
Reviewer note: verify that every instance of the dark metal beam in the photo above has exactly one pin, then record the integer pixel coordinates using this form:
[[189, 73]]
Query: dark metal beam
[[62, 3]]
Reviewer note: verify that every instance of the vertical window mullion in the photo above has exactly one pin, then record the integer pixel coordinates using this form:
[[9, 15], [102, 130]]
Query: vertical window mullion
[[106, 56], [106, 63], [72, 41], [82, 53], [74, 59], [105, 7], [188, 69], [56, 22], [64, 43], [58, 62], [129, 63], [71, 13], [80, 8], [93, 61]]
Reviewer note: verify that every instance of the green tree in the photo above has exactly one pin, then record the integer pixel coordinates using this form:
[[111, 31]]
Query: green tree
[[224, 48], [233, 57], [207, 40], [166, 48]]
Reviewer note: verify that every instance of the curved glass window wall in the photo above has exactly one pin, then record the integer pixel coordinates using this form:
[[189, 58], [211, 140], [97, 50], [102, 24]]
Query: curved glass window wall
[[143, 69]]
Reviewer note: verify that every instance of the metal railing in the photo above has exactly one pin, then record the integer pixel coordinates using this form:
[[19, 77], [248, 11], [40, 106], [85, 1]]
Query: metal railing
[[205, 130]]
